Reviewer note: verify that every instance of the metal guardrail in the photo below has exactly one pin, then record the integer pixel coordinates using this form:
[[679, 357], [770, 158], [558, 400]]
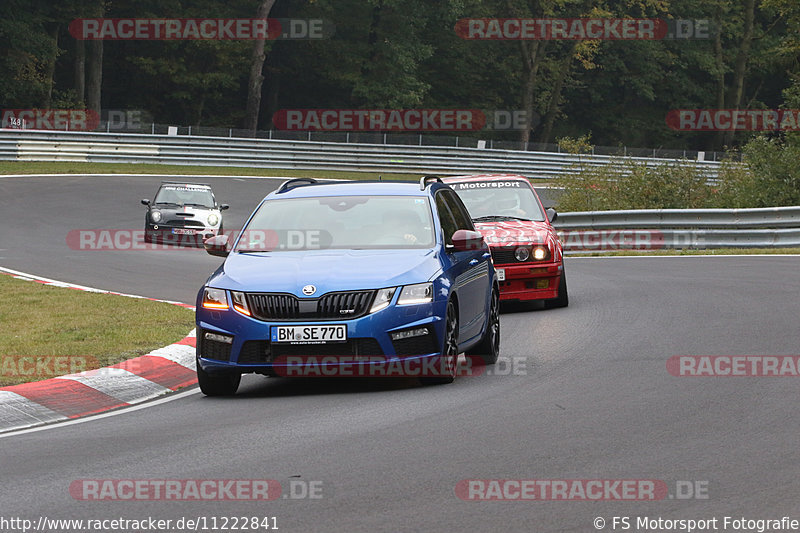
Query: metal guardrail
[[653, 229], [31, 145]]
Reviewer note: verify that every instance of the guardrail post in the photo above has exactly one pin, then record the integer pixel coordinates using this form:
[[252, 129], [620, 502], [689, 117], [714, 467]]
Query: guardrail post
[[152, 128]]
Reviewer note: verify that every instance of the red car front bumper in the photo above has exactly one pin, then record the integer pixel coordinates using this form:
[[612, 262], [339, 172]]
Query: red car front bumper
[[529, 281]]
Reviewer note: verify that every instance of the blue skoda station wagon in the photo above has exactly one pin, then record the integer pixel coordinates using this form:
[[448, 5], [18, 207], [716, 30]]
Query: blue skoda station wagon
[[340, 273]]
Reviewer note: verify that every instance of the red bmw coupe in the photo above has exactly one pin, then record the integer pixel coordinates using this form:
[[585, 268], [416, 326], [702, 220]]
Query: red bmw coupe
[[526, 251]]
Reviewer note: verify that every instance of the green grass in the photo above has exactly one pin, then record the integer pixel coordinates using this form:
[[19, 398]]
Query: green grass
[[77, 330], [715, 251], [53, 167]]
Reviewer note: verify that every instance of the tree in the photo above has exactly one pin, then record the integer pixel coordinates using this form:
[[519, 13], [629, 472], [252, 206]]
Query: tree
[[256, 77]]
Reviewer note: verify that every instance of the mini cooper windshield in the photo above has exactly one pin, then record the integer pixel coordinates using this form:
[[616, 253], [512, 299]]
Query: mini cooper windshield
[[488, 199], [185, 195], [339, 222]]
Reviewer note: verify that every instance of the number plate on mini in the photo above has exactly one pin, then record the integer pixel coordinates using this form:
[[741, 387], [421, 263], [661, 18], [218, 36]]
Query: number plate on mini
[[309, 334], [501, 274], [179, 231]]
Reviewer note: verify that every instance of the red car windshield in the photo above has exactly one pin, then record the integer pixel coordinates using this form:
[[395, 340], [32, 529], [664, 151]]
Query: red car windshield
[[494, 198]]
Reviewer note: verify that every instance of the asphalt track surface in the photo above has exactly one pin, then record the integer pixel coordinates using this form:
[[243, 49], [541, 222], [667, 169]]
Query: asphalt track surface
[[592, 398]]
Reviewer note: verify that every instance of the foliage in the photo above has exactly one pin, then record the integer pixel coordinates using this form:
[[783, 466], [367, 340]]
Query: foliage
[[767, 176], [406, 54]]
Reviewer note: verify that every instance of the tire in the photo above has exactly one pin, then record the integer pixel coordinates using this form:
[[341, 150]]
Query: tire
[[222, 384], [148, 238], [449, 357], [563, 298], [487, 350]]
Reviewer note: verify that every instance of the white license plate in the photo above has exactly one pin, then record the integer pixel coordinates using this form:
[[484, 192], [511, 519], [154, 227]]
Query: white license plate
[[309, 334], [501, 274], [179, 231]]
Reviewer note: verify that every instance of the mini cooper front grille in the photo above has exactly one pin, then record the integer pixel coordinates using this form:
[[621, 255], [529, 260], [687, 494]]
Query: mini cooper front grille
[[331, 306], [183, 223]]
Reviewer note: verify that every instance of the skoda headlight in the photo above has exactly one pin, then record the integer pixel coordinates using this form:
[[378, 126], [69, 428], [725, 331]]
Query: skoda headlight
[[382, 299], [421, 293], [155, 216], [213, 219], [214, 299], [240, 302]]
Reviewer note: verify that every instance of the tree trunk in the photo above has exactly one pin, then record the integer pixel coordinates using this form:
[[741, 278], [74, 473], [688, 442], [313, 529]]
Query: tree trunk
[[372, 39], [555, 96], [742, 58], [51, 69], [719, 59], [256, 78], [94, 81], [530, 60], [80, 70]]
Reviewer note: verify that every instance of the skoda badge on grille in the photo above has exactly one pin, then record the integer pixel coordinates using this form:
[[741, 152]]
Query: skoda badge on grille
[[308, 290]]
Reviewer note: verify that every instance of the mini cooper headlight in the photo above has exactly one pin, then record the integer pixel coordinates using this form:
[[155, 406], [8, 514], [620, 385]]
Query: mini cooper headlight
[[155, 216], [421, 293], [213, 219], [240, 302], [214, 299], [382, 299]]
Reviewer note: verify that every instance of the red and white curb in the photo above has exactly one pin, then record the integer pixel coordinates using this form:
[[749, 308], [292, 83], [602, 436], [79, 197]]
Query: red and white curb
[[95, 391], [55, 283]]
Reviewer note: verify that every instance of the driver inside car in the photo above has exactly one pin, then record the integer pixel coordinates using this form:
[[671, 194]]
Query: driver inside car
[[510, 205], [406, 227]]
